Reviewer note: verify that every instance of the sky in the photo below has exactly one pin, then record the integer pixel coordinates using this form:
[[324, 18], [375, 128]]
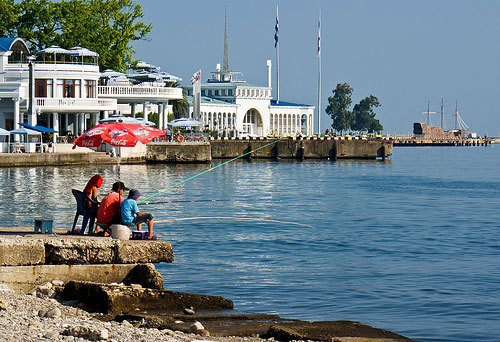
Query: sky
[[406, 53]]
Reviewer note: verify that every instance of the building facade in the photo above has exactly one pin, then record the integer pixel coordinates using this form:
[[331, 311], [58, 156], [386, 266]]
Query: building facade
[[61, 89], [229, 103]]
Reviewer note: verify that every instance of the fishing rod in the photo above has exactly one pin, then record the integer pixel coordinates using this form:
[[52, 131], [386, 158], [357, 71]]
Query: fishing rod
[[206, 171], [234, 218], [187, 201]]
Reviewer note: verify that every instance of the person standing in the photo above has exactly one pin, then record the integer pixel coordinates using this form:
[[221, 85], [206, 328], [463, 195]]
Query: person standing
[[131, 215]]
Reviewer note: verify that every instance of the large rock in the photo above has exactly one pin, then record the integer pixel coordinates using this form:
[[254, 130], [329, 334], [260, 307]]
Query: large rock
[[145, 275], [118, 299], [21, 251], [330, 331]]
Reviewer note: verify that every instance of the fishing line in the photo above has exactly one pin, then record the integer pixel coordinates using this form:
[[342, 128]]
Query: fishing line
[[233, 218], [206, 171], [187, 201]]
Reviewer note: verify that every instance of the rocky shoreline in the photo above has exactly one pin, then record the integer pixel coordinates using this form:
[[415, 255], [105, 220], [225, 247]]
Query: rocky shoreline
[[20, 320]]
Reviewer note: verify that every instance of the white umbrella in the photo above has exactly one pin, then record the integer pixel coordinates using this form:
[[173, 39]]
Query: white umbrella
[[54, 49], [81, 51], [111, 73], [185, 122]]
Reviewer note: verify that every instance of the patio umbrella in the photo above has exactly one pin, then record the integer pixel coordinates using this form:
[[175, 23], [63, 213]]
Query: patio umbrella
[[118, 134], [185, 122]]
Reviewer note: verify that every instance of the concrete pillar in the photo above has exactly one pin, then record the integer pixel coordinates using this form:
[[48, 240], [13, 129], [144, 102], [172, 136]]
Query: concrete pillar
[[66, 122], [16, 116], [132, 109], [55, 125], [165, 115], [145, 111], [81, 123], [160, 115], [105, 114], [95, 118]]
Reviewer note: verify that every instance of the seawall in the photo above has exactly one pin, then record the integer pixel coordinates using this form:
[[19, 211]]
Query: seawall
[[330, 149]]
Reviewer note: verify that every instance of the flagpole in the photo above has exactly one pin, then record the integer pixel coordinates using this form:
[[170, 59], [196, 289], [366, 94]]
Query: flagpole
[[277, 58], [319, 74]]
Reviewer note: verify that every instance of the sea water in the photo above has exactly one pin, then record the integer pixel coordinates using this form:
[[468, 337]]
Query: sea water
[[410, 244]]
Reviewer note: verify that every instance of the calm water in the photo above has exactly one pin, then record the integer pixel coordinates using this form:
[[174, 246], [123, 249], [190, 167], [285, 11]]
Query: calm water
[[411, 244]]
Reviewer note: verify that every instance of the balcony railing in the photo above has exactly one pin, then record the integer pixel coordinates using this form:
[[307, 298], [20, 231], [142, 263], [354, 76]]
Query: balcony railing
[[67, 105], [138, 92]]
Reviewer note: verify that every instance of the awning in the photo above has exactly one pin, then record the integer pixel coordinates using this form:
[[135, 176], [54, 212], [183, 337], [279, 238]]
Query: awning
[[38, 128], [4, 132]]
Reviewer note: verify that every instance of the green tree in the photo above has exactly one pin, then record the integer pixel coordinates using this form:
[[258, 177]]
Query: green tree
[[180, 107], [364, 115], [105, 26], [8, 19], [338, 107]]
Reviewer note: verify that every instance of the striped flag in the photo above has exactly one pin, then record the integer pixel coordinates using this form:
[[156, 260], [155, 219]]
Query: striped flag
[[319, 36], [196, 77], [276, 29]]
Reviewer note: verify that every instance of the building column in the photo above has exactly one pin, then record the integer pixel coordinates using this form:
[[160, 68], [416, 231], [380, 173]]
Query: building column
[[160, 115], [16, 117], [144, 111], [55, 126], [95, 117], [132, 109], [165, 115], [105, 114], [66, 121], [81, 123]]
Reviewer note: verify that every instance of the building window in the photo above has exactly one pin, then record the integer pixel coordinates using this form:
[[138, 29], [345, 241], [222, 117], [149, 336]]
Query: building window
[[223, 92], [90, 88], [230, 92], [203, 92], [68, 88], [210, 92], [40, 88]]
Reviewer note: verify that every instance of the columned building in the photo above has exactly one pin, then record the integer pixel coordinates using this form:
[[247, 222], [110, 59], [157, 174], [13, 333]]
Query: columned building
[[61, 89], [230, 103]]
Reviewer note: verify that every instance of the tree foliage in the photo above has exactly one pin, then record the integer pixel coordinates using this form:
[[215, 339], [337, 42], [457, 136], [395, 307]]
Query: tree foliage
[[104, 26], [360, 118], [180, 107], [8, 18], [338, 107]]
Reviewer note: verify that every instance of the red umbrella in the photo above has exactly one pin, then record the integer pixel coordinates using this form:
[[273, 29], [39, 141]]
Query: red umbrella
[[118, 134]]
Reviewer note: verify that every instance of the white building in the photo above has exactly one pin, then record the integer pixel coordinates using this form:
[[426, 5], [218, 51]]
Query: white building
[[228, 103], [64, 88]]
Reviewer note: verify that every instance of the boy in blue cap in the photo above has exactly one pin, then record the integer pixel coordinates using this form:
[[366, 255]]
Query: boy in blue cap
[[131, 215]]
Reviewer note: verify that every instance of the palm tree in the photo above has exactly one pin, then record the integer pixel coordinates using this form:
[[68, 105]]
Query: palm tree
[[180, 107]]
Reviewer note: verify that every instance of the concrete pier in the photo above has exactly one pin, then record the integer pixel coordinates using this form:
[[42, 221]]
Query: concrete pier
[[31, 259], [289, 148]]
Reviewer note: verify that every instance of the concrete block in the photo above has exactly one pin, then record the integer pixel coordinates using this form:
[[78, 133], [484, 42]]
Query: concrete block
[[116, 299], [24, 278], [72, 251], [20, 251], [143, 251]]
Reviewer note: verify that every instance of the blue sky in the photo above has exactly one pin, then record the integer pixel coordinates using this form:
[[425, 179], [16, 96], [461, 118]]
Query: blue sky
[[404, 52]]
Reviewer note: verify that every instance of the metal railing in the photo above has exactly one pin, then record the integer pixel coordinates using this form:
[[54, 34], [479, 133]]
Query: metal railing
[[138, 91], [62, 104]]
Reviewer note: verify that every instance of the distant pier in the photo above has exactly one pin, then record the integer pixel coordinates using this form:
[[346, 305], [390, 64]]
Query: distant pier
[[430, 141]]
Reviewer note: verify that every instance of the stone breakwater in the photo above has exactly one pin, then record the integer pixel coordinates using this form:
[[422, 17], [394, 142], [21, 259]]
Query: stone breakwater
[[20, 320]]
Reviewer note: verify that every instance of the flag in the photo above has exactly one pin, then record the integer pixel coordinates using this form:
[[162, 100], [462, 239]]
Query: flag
[[319, 36], [276, 29], [196, 77]]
